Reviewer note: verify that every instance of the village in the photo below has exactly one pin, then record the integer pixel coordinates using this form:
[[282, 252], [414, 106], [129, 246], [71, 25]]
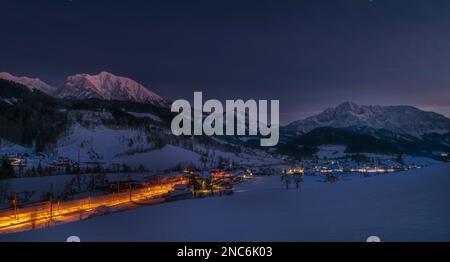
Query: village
[[96, 188], [111, 196]]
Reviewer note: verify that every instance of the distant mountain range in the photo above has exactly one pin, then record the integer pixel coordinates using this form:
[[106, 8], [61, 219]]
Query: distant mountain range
[[362, 128], [368, 128], [405, 120], [104, 86]]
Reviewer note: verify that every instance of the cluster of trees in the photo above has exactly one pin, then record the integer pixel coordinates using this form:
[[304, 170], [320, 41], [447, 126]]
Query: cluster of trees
[[119, 109], [305, 146], [4, 189], [359, 158], [331, 178], [296, 151], [80, 183], [6, 169], [98, 169], [33, 119], [198, 184], [287, 180]]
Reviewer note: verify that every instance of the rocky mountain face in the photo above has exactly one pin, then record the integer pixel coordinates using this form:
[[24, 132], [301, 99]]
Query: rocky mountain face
[[31, 83], [367, 128], [105, 86], [108, 87], [405, 120]]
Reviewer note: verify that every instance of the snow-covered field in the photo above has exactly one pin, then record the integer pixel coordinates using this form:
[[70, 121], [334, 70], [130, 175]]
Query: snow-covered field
[[331, 151], [408, 206]]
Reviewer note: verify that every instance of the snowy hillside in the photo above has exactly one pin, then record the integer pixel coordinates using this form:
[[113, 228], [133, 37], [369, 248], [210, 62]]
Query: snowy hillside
[[132, 147], [120, 146], [397, 119], [109, 87], [32, 83], [89, 140]]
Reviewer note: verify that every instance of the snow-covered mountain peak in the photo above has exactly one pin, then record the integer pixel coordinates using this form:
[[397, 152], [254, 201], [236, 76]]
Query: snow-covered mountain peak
[[108, 86], [354, 108], [348, 106], [31, 83], [398, 119]]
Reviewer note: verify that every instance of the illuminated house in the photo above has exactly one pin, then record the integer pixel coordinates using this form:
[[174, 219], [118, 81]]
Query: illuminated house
[[218, 174], [294, 171]]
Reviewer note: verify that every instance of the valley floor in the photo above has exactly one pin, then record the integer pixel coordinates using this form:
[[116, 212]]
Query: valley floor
[[407, 206]]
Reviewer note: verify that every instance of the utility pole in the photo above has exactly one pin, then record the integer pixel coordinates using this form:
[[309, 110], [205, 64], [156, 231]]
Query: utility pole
[[129, 186], [51, 207], [14, 203]]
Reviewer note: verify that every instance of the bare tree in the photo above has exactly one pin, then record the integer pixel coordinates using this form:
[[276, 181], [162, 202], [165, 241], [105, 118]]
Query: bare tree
[[298, 180], [4, 188], [286, 180], [330, 178]]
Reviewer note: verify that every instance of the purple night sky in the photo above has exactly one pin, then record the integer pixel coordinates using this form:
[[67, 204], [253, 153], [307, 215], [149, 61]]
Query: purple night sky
[[309, 54]]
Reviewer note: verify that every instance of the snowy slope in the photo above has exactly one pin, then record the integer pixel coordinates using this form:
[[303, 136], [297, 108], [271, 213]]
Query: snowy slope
[[7, 148], [32, 83], [114, 146], [398, 119], [331, 151], [409, 206], [109, 87]]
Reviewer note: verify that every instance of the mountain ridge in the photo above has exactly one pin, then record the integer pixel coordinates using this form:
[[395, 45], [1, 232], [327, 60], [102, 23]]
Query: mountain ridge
[[400, 119], [108, 86], [31, 83], [104, 85]]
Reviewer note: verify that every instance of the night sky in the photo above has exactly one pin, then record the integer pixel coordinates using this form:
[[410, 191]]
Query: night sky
[[308, 54]]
